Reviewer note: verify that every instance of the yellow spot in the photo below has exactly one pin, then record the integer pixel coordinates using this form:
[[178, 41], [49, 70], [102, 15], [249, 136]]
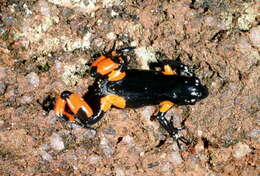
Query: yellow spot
[[116, 75], [109, 100], [165, 106], [168, 70]]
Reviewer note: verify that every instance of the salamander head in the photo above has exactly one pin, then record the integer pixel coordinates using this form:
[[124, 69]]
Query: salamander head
[[191, 91]]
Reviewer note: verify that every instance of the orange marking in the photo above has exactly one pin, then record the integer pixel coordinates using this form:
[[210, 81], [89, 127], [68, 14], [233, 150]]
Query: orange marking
[[165, 106], [109, 100], [69, 116], [59, 106], [114, 53], [105, 104], [96, 62], [75, 102], [106, 66], [168, 70], [116, 75]]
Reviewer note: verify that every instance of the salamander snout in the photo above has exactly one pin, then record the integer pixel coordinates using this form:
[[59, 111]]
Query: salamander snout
[[195, 91], [198, 92]]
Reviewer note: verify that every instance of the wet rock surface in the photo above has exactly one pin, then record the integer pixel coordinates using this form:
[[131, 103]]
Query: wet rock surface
[[45, 46]]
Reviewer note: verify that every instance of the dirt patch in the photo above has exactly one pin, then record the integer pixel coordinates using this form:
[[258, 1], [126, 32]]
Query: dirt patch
[[45, 47]]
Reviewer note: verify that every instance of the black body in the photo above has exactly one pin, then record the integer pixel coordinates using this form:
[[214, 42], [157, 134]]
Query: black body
[[148, 87]]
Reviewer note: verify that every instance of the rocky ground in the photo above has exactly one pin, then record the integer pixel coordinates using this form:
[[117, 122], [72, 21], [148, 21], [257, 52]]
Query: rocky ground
[[44, 48]]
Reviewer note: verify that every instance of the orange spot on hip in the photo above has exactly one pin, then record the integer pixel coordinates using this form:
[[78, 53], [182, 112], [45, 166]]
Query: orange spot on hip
[[109, 100], [75, 102]]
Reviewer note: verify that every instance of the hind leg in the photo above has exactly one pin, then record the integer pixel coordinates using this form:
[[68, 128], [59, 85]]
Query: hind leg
[[80, 111], [73, 108]]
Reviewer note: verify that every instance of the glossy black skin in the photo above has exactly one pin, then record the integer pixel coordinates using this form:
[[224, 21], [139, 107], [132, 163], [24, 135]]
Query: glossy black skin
[[147, 87]]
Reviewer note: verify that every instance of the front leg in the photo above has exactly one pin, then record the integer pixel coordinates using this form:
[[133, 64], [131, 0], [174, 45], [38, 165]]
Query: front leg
[[172, 67], [173, 131], [110, 66]]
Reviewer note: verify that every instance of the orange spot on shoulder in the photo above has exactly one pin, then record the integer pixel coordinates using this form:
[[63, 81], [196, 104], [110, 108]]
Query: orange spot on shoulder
[[165, 106], [96, 62], [168, 70], [106, 66], [116, 75]]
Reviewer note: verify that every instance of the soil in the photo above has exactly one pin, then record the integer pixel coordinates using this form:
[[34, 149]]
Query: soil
[[45, 46]]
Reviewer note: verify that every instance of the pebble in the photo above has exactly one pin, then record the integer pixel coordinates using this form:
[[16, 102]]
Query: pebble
[[146, 55], [175, 147], [200, 133], [105, 147], [210, 21], [240, 150], [111, 36], [3, 87], [244, 44], [1, 123], [89, 134], [109, 131], [58, 66], [33, 79], [44, 8], [199, 146], [141, 154], [254, 36], [87, 40], [166, 167], [45, 147], [247, 18], [255, 133], [2, 31], [175, 158], [26, 99], [119, 172], [128, 140], [52, 117], [2, 72], [56, 142], [46, 156], [84, 6], [94, 159], [9, 20]]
